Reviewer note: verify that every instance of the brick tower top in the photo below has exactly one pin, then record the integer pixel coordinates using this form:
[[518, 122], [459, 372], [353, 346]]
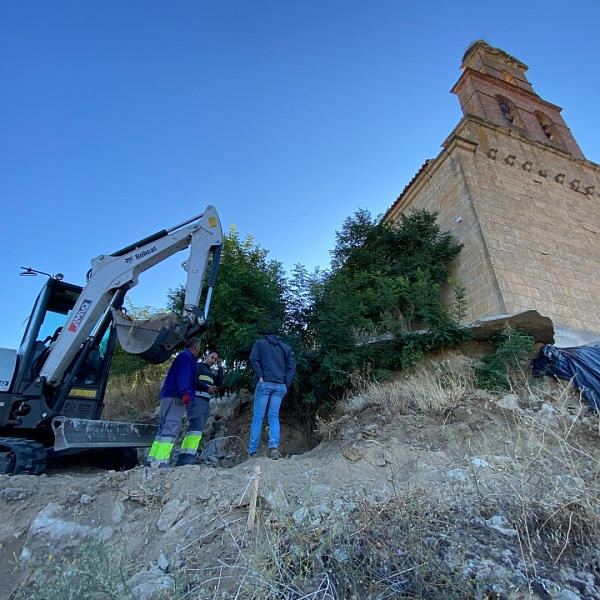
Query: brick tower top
[[494, 87]]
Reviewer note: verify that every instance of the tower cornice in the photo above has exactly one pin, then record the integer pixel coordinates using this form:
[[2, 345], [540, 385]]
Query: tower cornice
[[497, 53]]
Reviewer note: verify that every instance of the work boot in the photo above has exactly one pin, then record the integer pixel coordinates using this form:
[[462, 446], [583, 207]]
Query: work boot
[[274, 454], [186, 459]]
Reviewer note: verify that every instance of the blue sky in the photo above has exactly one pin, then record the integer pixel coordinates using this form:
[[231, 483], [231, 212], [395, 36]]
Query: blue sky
[[121, 118]]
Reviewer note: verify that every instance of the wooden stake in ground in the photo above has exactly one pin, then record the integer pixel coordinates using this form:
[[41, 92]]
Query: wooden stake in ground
[[253, 498]]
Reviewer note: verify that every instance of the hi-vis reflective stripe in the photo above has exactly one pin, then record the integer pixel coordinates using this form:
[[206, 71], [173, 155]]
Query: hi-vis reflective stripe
[[163, 451], [212, 221], [153, 449], [206, 378], [191, 441]]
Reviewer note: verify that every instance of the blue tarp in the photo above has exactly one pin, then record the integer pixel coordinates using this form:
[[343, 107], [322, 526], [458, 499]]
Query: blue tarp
[[580, 365]]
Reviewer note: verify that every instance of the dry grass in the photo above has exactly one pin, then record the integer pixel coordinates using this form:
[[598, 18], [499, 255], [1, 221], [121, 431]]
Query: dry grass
[[555, 481], [134, 398], [94, 570], [434, 388], [388, 550], [424, 543], [415, 545], [395, 549], [549, 482]]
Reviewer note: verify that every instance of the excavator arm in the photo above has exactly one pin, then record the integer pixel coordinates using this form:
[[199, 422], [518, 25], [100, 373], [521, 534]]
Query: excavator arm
[[113, 274]]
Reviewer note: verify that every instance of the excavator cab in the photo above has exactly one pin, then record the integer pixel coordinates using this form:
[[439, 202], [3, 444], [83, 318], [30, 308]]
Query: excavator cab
[[51, 311], [60, 416]]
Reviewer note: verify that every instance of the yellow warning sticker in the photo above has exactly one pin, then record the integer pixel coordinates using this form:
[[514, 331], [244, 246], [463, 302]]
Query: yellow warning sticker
[[84, 393], [212, 221]]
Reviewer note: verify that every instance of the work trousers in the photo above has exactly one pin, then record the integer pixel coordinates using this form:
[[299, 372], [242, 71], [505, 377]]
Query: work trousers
[[198, 412], [171, 415]]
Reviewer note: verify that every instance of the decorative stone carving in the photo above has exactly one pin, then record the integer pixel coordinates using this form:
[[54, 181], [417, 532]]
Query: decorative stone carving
[[559, 178], [575, 184], [510, 159], [543, 172], [492, 153], [527, 165]]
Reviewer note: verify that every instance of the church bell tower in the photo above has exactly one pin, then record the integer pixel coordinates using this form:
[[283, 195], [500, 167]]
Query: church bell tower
[[512, 185], [494, 86]]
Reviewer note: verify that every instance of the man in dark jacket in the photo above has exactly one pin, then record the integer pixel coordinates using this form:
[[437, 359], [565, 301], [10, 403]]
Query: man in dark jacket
[[177, 392], [198, 410], [274, 364]]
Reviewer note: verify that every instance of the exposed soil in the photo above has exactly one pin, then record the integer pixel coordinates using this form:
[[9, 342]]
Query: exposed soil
[[489, 458]]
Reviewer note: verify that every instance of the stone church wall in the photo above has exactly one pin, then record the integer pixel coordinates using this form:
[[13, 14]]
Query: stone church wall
[[531, 241], [542, 234]]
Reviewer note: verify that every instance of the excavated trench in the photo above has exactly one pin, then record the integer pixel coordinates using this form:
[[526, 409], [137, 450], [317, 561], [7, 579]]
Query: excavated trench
[[227, 432]]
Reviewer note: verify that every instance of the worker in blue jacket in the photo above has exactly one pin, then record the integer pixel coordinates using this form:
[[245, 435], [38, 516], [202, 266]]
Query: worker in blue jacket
[[177, 392], [198, 410], [274, 364]]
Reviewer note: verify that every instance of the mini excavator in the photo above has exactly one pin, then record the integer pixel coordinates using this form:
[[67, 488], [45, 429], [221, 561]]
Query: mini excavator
[[52, 387]]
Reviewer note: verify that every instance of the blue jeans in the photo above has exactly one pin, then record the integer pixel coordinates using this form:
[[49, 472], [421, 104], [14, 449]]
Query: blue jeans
[[266, 394]]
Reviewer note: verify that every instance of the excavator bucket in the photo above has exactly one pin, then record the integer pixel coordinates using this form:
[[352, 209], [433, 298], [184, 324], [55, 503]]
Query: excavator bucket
[[85, 433], [146, 339]]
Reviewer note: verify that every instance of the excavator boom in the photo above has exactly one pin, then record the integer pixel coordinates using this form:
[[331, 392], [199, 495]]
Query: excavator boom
[[113, 273]]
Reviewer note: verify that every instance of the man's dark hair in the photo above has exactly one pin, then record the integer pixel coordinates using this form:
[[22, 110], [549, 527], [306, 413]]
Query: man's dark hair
[[214, 352], [272, 331], [192, 342]]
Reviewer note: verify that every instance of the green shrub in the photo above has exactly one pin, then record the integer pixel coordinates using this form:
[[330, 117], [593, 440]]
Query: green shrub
[[498, 371]]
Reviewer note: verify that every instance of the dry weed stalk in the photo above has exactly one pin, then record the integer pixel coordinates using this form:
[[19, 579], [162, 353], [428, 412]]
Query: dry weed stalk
[[394, 549], [553, 488]]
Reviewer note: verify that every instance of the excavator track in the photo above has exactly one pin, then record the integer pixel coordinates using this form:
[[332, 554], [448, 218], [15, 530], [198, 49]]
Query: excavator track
[[21, 456]]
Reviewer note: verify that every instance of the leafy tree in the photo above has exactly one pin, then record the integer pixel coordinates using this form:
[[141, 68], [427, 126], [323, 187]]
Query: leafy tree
[[248, 300], [298, 300], [512, 351], [384, 283]]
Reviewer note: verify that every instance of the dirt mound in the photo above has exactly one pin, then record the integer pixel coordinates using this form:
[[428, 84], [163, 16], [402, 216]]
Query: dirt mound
[[491, 497]]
